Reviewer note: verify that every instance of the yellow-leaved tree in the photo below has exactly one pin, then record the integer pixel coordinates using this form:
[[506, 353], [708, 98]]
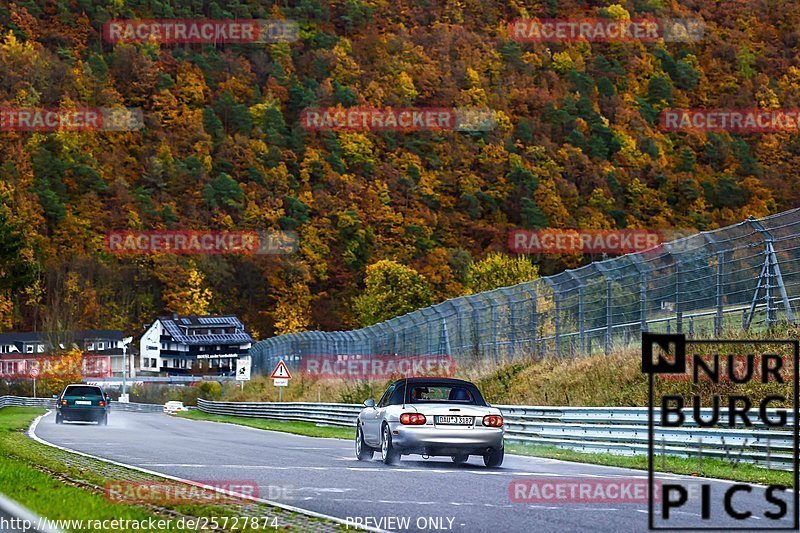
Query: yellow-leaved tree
[[391, 289], [63, 369], [185, 291], [293, 310], [500, 270]]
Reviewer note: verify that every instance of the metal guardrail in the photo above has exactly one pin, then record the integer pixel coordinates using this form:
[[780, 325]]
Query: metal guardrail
[[137, 407], [50, 403], [621, 430], [16, 518], [21, 401], [169, 380]]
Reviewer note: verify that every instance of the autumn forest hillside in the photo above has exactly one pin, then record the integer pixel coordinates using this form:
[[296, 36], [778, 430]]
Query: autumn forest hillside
[[577, 145]]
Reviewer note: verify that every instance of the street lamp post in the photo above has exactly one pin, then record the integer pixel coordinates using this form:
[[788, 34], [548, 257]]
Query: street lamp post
[[125, 342]]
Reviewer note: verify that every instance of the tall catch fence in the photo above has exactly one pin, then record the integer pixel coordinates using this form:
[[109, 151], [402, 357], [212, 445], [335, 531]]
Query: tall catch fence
[[741, 276]]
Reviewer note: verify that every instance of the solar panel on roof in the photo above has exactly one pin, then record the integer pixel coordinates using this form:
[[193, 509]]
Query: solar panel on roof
[[172, 329], [216, 320]]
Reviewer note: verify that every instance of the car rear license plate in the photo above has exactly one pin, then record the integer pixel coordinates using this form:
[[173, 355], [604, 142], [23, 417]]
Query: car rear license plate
[[454, 420], [83, 402]]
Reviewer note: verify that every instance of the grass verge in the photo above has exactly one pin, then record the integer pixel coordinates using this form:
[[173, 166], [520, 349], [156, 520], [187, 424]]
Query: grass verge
[[714, 468], [64, 486], [309, 429], [22, 478]]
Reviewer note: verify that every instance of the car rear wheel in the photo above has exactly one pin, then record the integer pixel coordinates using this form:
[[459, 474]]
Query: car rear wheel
[[460, 459], [103, 420], [363, 452], [59, 418], [389, 453], [494, 457]]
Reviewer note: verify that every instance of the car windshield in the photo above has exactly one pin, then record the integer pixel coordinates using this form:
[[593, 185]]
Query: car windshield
[[436, 393], [83, 391]]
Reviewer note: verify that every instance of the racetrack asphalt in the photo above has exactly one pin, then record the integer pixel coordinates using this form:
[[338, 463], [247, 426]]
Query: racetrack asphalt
[[323, 475]]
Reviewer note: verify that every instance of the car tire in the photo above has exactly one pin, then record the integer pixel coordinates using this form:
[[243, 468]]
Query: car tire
[[103, 420], [59, 418], [494, 457], [363, 452], [389, 453], [460, 459]]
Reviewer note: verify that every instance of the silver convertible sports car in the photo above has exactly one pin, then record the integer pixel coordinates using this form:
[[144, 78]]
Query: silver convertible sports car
[[430, 417]]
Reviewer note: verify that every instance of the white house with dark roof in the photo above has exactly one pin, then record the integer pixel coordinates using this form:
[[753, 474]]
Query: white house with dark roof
[[93, 342], [207, 345]]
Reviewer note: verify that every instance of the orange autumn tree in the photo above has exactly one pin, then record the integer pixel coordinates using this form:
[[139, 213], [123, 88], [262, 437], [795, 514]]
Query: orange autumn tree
[[64, 368]]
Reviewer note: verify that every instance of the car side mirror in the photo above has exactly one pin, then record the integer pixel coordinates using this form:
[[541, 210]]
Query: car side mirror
[[108, 398], [369, 403]]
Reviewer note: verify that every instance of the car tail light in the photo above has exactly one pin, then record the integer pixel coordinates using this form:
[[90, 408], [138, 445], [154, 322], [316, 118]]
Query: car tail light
[[412, 419], [63, 402], [493, 421], [102, 404]]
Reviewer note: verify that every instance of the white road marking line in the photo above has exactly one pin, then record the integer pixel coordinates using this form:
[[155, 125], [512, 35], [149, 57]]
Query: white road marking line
[[415, 503], [410, 502], [591, 509], [546, 507], [323, 489], [267, 467]]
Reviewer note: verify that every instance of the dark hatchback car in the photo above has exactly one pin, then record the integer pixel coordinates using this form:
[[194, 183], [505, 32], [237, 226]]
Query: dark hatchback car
[[87, 403]]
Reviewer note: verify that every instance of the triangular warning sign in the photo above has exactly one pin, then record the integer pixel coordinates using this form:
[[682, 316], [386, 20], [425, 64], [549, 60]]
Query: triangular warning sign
[[281, 371]]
